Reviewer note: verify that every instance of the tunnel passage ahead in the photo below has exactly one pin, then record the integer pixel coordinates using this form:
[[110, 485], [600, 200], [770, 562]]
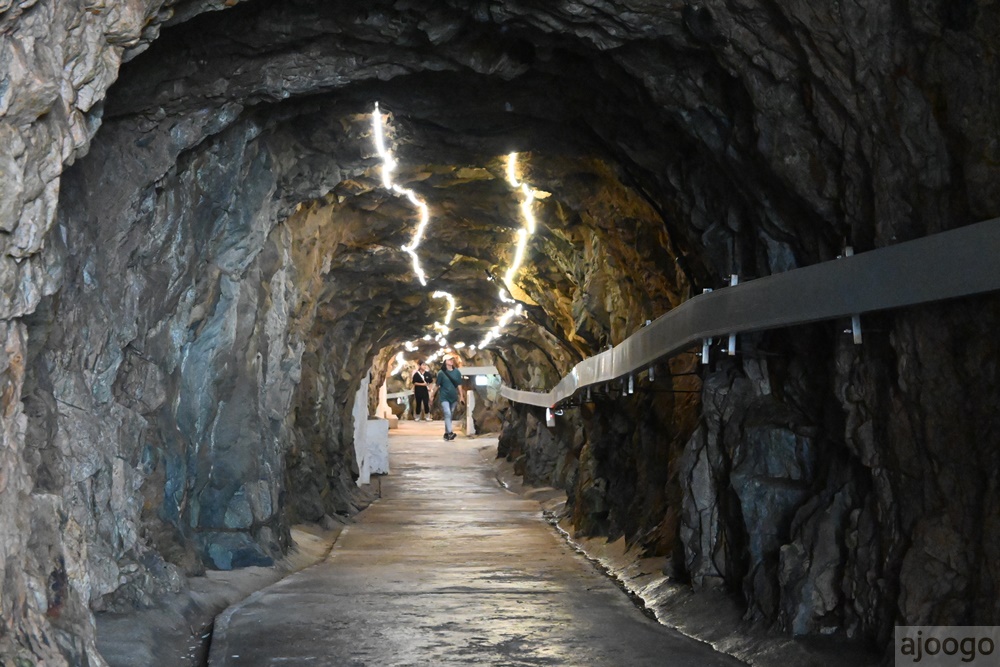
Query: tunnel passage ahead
[[448, 569]]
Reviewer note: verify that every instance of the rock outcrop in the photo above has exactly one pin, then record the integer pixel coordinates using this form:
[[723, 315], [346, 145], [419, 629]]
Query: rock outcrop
[[201, 263]]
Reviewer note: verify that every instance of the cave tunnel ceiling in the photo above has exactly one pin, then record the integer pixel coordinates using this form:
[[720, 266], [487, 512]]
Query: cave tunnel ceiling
[[605, 130], [673, 153]]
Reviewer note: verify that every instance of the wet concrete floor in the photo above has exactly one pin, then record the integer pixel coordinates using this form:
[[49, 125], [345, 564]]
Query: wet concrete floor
[[448, 568]]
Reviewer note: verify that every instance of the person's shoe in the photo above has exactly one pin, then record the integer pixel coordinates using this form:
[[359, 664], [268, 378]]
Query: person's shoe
[[449, 436]]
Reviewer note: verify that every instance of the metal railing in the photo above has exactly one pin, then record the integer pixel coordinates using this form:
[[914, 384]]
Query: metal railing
[[948, 265]]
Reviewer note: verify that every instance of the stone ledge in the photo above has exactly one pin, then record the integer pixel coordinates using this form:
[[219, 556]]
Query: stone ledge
[[176, 632]]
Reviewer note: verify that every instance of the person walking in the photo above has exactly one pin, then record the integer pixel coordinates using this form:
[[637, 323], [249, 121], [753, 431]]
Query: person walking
[[451, 391], [422, 380]]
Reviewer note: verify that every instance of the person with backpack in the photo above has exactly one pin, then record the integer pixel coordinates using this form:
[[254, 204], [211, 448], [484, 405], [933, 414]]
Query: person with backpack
[[451, 391]]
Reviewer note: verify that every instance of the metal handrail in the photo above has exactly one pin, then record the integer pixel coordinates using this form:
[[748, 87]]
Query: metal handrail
[[399, 394], [949, 265]]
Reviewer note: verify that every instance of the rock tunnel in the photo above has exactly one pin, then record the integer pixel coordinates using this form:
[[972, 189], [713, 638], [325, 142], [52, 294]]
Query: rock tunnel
[[201, 264]]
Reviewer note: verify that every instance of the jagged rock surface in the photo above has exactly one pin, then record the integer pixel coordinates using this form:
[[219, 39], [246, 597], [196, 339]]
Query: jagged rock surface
[[189, 310]]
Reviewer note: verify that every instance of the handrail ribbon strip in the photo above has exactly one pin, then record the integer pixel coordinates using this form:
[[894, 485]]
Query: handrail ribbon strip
[[948, 265]]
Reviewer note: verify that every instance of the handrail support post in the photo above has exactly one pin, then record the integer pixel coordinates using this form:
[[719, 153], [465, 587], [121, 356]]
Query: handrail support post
[[706, 342], [855, 319], [734, 280]]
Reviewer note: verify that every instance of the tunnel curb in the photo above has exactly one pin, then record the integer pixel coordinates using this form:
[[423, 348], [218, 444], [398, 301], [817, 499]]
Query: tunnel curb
[[188, 620]]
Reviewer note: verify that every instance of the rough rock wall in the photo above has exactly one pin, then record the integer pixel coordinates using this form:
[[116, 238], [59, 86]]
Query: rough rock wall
[[812, 487], [793, 492], [58, 60], [162, 374], [617, 456], [764, 134], [166, 391]]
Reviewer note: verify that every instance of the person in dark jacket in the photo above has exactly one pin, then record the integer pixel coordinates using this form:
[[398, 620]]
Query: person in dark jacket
[[422, 381], [450, 391]]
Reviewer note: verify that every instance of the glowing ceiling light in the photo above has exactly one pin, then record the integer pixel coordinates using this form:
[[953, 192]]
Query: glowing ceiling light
[[527, 199], [494, 333], [388, 162], [528, 196], [522, 243], [443, 329], [526, 210], [389, 165], [399, 364], [410, 347], [451, 304], [459, 346], [512, 170]]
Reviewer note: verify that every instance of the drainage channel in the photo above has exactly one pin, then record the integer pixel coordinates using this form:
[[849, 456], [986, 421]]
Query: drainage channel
[[640, 604]]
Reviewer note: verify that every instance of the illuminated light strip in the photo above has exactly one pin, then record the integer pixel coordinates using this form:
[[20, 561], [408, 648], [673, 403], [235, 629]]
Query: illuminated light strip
[[399, 364], [512, 170], [528, 196], [511, 314], [527, 202], [451, 310], [418, 235], [389, 165], [505, 319]]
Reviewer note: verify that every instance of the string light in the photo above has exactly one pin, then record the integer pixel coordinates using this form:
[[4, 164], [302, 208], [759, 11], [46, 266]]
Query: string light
[[504, 320], [399, 364], [512, 170], [389, 165], [528, 196], [451, 304]]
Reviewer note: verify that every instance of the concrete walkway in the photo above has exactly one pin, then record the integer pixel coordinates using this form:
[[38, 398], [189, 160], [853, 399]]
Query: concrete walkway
[[448, 568]]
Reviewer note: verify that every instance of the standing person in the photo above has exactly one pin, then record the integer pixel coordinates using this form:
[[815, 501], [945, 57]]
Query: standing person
[[422, 381], [449, 381]]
